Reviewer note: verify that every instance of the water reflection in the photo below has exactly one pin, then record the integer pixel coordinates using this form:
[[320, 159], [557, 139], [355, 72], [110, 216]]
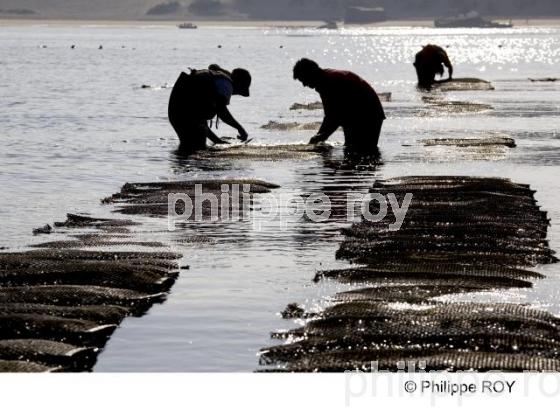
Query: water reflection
[[355, 160], [274, 220], [183, 162]]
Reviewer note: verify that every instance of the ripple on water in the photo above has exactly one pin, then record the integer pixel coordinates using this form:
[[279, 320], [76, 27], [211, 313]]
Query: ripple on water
[[63, 151]]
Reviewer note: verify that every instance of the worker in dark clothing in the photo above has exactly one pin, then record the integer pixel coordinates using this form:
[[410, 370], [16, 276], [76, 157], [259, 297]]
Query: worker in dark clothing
[[348, 102], [429, 62], [201, 95]]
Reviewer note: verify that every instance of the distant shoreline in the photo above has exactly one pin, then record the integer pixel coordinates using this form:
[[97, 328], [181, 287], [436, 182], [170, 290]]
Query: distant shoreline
[[6, 22]]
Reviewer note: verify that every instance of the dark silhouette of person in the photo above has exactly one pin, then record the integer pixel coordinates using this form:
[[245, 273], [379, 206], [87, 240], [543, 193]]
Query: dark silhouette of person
[[200, 96], [348, 102], [429, 62]]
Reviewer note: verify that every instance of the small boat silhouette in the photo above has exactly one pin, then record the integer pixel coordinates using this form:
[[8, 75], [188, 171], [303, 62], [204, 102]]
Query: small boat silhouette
[[187, 25]]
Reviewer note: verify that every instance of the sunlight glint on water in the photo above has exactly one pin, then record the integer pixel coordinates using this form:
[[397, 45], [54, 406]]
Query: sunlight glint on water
[[76, 125]]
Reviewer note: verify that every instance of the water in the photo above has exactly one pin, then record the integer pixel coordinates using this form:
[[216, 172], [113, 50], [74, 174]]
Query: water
[[76, 125]]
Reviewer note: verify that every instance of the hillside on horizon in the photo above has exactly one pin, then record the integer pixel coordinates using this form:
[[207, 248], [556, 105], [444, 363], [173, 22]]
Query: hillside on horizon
[[266, 9]]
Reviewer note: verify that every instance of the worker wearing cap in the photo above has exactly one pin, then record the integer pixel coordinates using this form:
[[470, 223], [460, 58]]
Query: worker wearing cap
[[200, 96]]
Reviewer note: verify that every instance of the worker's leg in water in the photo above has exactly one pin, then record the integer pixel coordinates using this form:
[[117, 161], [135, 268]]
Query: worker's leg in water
[[363, 136], [426, 76], [192, 135]]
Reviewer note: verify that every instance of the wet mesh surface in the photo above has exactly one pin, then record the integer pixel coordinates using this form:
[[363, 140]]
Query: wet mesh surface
[[444, 248]]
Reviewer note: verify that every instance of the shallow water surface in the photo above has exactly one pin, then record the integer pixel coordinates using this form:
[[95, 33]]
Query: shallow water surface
[[77, 124]]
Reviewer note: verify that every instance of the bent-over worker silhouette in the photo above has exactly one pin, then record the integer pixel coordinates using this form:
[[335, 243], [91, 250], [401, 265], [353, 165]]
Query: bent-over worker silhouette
[[201, 95], [348, 102], [429, 62]]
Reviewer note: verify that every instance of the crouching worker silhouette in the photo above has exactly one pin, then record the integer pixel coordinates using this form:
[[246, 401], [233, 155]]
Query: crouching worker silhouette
[[348, 102], [201, 95], [429, 62]]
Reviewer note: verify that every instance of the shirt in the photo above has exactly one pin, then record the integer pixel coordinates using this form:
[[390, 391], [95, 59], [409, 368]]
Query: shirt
[[348, 98], [432, 55], [224, 88]]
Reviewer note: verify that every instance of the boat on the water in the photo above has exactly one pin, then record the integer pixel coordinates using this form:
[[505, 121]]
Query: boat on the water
[[329, 25], [364, 15], [470, 19], [187, 25]]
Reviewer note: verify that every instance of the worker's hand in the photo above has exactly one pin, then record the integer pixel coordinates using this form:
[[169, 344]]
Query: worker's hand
[[316, 139], [242, 135], [220, 141]]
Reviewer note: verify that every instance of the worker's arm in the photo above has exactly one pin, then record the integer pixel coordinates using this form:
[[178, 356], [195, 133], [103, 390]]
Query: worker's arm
[[450, 72], [214, 138], [225, 116], [448, 64], [330, 122], [328, 127]]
